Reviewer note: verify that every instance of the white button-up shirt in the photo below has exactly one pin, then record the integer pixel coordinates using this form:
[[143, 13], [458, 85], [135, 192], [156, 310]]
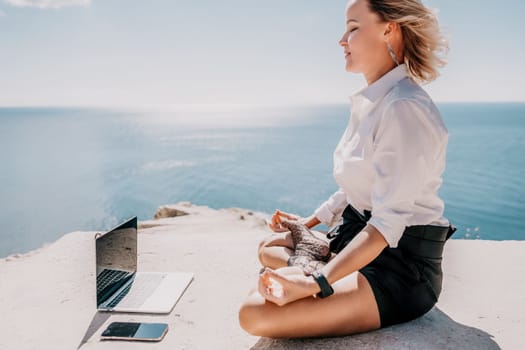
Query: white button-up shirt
[[390, 158]]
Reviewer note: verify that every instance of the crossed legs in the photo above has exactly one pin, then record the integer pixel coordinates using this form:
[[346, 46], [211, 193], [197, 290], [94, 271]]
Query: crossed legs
[[351, 309]]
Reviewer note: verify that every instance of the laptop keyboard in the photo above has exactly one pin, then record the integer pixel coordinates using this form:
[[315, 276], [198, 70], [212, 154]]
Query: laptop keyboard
[[143, 286], [108, 277]]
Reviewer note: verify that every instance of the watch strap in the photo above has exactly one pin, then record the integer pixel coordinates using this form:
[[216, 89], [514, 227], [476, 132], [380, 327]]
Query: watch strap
[[326, 288]]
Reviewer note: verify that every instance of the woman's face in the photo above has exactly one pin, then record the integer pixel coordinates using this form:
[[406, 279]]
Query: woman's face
[[364, 40]]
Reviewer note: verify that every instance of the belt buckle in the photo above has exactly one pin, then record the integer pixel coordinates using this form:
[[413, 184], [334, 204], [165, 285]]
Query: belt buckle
[[451, 230], [333, 232]]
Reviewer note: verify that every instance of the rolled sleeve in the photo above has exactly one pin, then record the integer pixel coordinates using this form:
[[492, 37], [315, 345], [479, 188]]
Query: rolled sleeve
[[403, 147], [330, 211]]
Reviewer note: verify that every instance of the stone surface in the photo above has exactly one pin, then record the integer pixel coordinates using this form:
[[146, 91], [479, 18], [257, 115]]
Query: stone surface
[[170, 211], [47, 297]]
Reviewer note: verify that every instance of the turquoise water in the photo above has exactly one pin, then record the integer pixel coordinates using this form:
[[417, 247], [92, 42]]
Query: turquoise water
[[67, 169]]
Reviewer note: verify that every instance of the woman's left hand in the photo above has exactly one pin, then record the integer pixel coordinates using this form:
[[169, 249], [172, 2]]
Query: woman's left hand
[[285, 285], [277, 219]]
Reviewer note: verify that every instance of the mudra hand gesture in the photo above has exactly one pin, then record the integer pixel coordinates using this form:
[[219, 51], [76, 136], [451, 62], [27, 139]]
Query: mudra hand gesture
[[285, 285], [277, 219]]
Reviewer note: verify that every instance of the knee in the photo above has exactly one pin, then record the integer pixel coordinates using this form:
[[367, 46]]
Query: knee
[[251, 318], [262, 244], [261, 251], [272, 250]]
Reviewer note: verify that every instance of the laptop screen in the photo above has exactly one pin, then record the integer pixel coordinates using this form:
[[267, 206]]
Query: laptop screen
[[116, 252]]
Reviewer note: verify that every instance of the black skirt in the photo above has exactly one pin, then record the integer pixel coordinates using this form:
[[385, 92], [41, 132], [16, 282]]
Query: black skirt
[[406, 280]]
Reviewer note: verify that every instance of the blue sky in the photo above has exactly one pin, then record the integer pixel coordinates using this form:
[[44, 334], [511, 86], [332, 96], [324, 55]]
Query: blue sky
[[168, 52]]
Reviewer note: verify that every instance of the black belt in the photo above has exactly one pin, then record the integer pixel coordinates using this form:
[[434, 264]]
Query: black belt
[[424, 241]]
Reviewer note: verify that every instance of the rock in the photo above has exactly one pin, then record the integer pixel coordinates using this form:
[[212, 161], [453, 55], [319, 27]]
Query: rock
[[170, 211], [147, 224], [481, 306]]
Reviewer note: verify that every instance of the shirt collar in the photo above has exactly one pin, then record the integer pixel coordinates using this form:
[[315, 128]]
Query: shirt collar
[[380, 87]]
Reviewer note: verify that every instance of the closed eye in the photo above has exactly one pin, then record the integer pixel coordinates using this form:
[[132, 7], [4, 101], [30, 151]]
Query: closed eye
[[350, 29]]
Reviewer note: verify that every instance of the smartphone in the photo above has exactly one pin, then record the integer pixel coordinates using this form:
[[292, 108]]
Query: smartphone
[[135, 331]]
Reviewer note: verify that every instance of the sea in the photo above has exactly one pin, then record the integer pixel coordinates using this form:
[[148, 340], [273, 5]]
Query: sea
[[69, 169]]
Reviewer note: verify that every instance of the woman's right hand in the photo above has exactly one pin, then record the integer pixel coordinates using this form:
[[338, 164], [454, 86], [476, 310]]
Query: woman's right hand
[[285, 285], [277, 218]]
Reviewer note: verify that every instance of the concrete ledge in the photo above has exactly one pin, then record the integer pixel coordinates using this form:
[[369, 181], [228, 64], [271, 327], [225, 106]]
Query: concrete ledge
[[47, 297]]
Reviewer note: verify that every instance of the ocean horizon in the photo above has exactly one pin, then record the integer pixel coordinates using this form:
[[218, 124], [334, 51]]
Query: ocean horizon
[[70, 169]]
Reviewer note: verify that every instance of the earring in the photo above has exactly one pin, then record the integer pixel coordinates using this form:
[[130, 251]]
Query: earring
[[391, 52]]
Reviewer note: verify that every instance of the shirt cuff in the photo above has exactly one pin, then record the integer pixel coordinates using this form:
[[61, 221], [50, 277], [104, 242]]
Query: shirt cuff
[[391, 231], [326, 216]]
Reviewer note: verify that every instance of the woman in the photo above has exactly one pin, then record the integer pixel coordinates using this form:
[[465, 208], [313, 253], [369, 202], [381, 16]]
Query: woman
[[386, 266]]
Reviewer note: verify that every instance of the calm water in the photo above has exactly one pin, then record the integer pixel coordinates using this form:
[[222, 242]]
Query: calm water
[[86, 169]]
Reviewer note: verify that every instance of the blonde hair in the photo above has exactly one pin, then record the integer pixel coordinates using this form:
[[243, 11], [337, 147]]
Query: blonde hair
[[423, 43]]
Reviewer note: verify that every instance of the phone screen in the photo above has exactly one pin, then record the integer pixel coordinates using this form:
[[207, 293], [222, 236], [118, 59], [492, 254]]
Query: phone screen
[[135, 331]]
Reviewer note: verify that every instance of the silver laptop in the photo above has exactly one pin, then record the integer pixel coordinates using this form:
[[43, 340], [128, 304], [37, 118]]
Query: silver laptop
[[121, 288]]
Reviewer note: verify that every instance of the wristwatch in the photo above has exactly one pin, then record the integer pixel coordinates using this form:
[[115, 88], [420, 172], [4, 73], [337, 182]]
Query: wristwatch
[[326, 288]]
